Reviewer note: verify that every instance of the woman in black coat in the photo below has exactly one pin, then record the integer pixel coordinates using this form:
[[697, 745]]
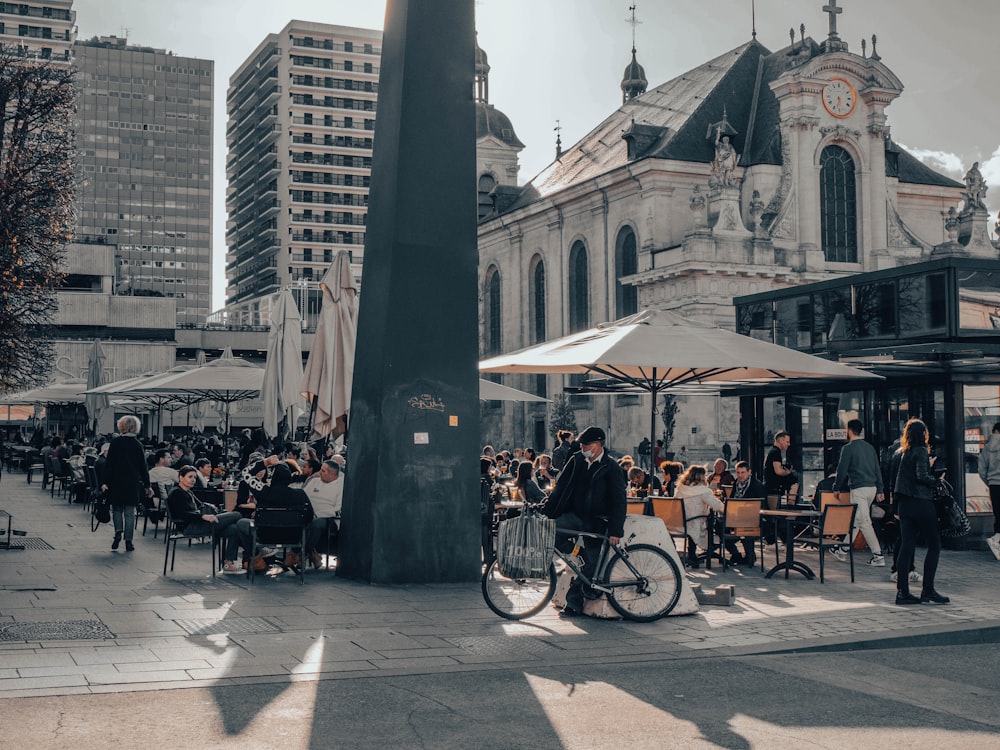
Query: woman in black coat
[[126, 479], [914, 496]]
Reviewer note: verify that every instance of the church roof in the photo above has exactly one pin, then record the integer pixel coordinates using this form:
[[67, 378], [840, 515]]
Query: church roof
[[679, 112], [491, 121], [908, 168]]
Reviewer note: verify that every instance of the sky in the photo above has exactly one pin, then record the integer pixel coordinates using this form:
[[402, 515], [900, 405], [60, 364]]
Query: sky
[[562, 61]]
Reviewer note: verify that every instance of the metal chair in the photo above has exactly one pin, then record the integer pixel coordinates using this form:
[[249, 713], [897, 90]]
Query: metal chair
[[280, 527], [834, 532], [741, 520], [175, 532]]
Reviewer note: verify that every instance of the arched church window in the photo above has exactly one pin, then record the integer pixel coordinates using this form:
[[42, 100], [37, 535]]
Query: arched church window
[[493, 309], [579, 291], [838, 206], [536, 300], [486, 184], [626, 264]]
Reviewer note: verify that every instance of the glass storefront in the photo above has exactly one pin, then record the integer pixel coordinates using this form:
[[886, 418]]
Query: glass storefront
[[982, 411]]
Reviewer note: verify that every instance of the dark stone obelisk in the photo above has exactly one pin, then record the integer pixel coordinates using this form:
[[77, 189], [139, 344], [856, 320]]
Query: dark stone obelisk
[[411, 501]]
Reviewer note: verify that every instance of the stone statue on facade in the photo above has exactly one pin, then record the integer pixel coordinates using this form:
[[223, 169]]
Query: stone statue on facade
[[724, 164], [975, 189]]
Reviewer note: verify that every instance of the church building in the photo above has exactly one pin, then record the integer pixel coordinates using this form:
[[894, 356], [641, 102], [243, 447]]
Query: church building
[[755, 171]]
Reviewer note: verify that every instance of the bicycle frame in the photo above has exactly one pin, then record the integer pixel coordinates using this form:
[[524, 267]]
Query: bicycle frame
[[602, 561]]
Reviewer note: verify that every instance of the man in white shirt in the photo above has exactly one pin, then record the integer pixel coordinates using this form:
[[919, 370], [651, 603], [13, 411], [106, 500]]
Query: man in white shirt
[[161, 473], [327, 496]]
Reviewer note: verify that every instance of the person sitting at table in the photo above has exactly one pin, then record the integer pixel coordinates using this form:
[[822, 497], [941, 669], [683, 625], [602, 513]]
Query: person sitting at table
[[204, 468], [720, 478], [744, 486], [640, 483], [545, 472], [202, 519], [826, 484], [326, 494], [527, 489], [626, 462], [161, 471], [671, 471], [308, 473], [698, 501], [278, 494]]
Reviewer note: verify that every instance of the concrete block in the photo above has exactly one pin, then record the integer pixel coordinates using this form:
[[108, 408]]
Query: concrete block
[[723, 596]]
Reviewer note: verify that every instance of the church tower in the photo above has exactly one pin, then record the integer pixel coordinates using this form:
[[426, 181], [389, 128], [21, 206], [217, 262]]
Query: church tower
[[497, 145]]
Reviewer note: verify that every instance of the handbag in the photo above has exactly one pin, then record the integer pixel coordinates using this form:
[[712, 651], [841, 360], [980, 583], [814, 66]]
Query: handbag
[[525, 545], [952, 520], [100, 511]]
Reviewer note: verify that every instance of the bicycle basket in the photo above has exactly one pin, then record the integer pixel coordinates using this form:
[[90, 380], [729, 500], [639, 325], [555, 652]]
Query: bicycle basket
[[525, 545]]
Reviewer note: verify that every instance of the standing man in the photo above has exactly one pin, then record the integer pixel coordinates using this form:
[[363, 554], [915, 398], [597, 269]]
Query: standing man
[[779, 476], [589, 496], [859, 472], [989, 472]]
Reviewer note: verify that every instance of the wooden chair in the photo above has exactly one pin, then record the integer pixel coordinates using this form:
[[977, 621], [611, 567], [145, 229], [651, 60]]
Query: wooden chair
[[280, 527], [670, 510], [830, 498], [741, 520], [637, 506], [834, 532]]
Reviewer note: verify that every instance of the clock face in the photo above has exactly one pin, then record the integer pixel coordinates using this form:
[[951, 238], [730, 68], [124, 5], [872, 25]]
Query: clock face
[[839, 97]]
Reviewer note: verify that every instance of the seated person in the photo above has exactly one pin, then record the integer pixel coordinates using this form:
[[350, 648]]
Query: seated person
[[160, 471], [626, 462], [204, 467], [720, 478], [308, 473], [744, 486], [202, 519], [545, 472], [527, 489], [671, 472], [698, 501], [642, 484], [826, 484], [277, 494], [326, 494]]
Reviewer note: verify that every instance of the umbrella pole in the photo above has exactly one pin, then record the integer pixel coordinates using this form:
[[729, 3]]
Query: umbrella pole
[[312, 415], [652, 423]]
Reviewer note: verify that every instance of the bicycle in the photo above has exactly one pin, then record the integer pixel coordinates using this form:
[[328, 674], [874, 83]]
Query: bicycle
[[642, 582]]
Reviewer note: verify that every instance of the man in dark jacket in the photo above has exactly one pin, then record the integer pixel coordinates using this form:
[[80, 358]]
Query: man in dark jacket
[[744, 486], [589, 496]]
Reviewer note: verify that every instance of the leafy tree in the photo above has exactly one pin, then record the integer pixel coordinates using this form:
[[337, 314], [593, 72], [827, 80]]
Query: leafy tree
[[561, 415], [668, 413], [37, 184]]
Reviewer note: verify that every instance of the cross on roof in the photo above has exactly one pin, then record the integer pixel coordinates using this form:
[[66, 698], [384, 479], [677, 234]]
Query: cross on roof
[[834, 11]]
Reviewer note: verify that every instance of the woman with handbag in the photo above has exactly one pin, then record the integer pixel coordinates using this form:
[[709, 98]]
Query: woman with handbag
[[913, 494], [126, 478], [202, 519]]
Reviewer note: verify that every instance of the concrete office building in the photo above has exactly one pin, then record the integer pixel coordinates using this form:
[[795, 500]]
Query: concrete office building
[[42, 28], [145, 141], [301, 121]]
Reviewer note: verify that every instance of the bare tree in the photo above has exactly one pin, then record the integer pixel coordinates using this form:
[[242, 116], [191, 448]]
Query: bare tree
[[37, 183]]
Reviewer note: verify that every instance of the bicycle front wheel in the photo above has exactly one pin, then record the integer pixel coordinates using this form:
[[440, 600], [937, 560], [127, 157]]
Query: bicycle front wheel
[[646, 585], [517, 598]]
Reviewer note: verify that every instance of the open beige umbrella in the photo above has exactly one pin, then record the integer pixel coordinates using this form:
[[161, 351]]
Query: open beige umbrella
[[326, 383], [279, 393], [655, 351], [490, 391]]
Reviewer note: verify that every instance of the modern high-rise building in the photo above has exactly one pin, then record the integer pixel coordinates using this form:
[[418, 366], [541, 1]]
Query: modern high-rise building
[[42, 28], [145, 140], [301, 120]]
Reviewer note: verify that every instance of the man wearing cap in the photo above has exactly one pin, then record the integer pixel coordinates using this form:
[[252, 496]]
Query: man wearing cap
[[589, 496]]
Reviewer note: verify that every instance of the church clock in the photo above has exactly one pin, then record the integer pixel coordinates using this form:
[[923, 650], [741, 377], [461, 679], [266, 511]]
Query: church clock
[[839, 97]]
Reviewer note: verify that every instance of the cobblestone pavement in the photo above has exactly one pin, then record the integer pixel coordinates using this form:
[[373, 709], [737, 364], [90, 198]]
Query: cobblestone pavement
[[76, 617]]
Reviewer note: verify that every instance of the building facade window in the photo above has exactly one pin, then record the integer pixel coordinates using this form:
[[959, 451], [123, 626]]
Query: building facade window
[[626, 264], [578, 288], [838, 206], [536, 301], [486, 185], [493, 309]]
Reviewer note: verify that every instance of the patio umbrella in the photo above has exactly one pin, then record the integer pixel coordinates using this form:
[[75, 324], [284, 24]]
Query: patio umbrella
[[279, 392], [329, 372], [70, 392], [225, 380], [96, 403], [655, 351], [490, 391]]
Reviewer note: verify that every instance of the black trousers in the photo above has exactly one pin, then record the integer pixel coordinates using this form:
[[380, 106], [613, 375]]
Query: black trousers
[[917, 517], [589, 553], [995, 501]]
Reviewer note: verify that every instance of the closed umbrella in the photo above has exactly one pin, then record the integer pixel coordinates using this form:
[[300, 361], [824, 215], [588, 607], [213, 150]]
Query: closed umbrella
[[329, 372], [199, 411], [279, 393], [96, 403]]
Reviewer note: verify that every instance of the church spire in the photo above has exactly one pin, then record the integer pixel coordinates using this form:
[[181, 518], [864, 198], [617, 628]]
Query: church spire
[[833, 41], [634, 80], [482, 81]]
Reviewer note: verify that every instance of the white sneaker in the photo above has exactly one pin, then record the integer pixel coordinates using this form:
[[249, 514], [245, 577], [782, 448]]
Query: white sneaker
[[841, 555], [994, 544], [877, 561], [914, 576]]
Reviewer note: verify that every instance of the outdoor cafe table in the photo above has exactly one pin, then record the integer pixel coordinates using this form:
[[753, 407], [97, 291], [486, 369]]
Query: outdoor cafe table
[[790, 563]]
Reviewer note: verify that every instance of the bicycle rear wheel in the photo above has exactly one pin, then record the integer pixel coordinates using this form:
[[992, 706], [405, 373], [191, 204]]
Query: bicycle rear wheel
[[654, 594], [517, 598]]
